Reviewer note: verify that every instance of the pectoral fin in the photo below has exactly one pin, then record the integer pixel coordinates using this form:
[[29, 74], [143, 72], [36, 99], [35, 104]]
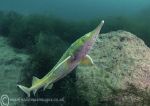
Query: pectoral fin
[[87, 60]]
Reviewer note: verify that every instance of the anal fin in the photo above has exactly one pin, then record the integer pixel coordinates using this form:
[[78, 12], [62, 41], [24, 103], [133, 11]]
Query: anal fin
[[34, 91], [48, 86]]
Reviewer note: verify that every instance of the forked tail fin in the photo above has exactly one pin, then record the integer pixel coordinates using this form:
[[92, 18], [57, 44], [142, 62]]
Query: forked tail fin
[[25, 89]]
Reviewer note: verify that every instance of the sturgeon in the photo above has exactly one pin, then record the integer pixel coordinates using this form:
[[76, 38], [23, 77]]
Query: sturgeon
[[76, 54]]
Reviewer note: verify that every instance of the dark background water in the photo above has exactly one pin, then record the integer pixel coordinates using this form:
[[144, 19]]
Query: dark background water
[[45, 28], [130, 15], [76, 9]]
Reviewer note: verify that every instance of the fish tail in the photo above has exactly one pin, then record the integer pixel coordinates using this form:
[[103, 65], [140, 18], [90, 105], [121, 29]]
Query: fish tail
[[25, 89]]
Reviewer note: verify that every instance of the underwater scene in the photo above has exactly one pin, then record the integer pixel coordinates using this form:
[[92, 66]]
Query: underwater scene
[[74, 53]]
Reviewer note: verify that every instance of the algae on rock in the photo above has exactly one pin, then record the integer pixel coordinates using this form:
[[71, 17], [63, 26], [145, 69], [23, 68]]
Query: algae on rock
[[11, 66], [122, 72]]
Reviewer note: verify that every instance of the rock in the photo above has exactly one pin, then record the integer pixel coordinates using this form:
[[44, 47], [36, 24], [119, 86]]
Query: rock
[[121, 74], [11, 66]]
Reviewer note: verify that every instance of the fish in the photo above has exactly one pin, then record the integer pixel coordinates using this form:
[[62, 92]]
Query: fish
[[76, 54]]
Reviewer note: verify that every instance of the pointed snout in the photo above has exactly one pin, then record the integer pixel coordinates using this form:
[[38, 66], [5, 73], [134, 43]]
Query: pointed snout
[[93, 35], [99, 27]]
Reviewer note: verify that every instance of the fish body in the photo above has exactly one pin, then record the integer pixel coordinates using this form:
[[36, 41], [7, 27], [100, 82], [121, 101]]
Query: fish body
[[74, 55]]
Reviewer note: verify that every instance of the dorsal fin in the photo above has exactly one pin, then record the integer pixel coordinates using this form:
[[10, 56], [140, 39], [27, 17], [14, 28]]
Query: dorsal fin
[[35, 80]]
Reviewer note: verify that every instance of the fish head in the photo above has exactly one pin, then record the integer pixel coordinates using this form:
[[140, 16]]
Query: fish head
[[81, 46], [93, 35]]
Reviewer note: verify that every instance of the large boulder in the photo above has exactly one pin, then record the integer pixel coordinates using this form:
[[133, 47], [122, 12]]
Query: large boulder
[[121, 74], [11, 65]]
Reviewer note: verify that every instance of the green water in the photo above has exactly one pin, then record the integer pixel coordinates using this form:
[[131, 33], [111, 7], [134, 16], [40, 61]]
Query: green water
[[61, 22]]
